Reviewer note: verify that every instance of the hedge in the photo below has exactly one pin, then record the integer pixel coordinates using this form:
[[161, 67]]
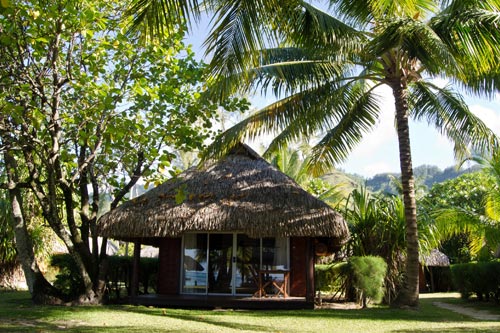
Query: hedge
[[119, 275], [479, 278]]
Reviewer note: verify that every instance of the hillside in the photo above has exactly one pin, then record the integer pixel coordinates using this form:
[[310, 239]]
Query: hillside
[[346, 181], [425, 176]]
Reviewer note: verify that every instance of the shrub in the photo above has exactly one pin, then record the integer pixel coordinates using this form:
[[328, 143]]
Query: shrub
[[68, 280], [479, 278], [360, 278], [329, 278], [367, 276]]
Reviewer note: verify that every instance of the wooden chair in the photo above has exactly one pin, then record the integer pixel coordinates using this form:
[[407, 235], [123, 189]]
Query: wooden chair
[[261, 285], [281, 286]]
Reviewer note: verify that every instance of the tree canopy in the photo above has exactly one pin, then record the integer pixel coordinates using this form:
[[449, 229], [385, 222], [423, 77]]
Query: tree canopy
[[86, 110]]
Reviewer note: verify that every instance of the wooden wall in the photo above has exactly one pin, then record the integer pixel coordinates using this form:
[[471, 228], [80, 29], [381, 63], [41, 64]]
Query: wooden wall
[[170, 266], [298, 266]]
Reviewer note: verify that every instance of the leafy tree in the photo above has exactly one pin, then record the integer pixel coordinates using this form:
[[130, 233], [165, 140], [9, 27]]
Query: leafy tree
[[87, 111], [471, 206], [326, 69], [7, 247], [467, 192]]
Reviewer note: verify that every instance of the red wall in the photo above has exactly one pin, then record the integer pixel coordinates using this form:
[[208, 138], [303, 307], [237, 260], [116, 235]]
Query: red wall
[[170, 266], [298, 266]]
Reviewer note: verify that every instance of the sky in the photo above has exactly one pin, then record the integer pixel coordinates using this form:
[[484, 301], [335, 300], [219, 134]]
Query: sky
[[378, 151]]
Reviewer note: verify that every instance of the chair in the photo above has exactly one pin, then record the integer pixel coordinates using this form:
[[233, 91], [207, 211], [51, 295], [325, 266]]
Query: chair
[[261, 285], [281, 286]]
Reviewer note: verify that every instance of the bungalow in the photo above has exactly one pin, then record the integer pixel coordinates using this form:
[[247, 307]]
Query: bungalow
[[236, 227]]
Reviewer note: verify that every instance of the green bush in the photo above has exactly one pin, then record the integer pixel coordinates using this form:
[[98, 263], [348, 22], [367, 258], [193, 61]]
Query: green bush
[[119, 275], [479, 278], [360, 278], [367, 276], [329, 277], [68, 280]]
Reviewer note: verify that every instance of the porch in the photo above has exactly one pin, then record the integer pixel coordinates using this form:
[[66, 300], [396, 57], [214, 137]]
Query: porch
[[222, 302]]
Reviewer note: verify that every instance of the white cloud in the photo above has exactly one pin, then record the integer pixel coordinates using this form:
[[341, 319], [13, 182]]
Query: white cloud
[[488, 115], [372, 169]]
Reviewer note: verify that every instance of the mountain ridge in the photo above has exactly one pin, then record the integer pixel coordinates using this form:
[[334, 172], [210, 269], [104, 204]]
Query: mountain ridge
[[425, 176]]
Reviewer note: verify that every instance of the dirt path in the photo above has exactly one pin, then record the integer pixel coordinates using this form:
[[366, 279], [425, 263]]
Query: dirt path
[[476, 314]]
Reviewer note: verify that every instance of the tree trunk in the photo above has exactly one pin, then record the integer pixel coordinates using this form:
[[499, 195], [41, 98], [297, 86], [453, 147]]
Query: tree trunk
[[42, 292], [409, 293]]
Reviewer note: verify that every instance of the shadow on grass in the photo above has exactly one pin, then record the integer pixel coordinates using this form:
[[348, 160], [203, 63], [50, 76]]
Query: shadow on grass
[[426, 313], [18, 314], [210, 317], [492, 329], [44, 327]]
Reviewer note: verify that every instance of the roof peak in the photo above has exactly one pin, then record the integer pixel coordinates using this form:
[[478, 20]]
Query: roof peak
[[243, 149]]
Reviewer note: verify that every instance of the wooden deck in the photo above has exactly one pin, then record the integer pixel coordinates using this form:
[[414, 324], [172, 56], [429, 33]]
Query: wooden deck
[[224, 302]]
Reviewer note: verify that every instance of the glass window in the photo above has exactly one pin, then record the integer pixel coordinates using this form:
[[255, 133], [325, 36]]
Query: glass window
[[194, 261], [219, 263], [275, 253]]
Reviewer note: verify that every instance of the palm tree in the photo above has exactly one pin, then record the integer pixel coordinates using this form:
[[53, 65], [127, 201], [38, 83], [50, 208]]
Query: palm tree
[[325, 70], [377, 227]]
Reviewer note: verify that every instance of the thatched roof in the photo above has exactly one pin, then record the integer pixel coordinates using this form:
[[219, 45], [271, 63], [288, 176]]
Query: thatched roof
[[239, 193], [436, 258]]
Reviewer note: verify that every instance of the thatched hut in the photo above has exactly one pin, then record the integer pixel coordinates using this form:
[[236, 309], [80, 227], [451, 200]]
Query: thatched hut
[[235, 217], [435, 274]]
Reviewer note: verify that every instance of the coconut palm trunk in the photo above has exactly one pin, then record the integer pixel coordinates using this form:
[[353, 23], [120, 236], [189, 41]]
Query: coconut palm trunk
[[409, 293]]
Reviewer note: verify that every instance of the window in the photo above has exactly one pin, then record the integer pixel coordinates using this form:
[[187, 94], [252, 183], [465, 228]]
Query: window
[[223, 263]]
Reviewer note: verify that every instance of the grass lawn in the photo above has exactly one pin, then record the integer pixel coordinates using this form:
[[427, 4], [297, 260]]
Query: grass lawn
[[17, 314]]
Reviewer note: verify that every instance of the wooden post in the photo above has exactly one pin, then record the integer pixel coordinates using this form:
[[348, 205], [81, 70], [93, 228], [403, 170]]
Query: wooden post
[[134, 284], [309, 271]]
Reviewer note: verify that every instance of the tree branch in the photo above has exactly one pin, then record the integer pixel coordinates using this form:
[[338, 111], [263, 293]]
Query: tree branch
[[138, 172]]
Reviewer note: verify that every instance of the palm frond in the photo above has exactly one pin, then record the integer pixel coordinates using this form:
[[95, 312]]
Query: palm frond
[[449, 113], [300, 109], [326, 108], [415, 40], [283, 71], [454, 221], [492, 205], [317, 29], [306, 113], [285, 78], [481, 84], [364, 12], [155, 18], [241, 28], [471, 29], [358, 115]]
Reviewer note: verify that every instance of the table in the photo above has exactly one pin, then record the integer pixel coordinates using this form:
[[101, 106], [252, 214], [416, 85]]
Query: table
[[280, 285]]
